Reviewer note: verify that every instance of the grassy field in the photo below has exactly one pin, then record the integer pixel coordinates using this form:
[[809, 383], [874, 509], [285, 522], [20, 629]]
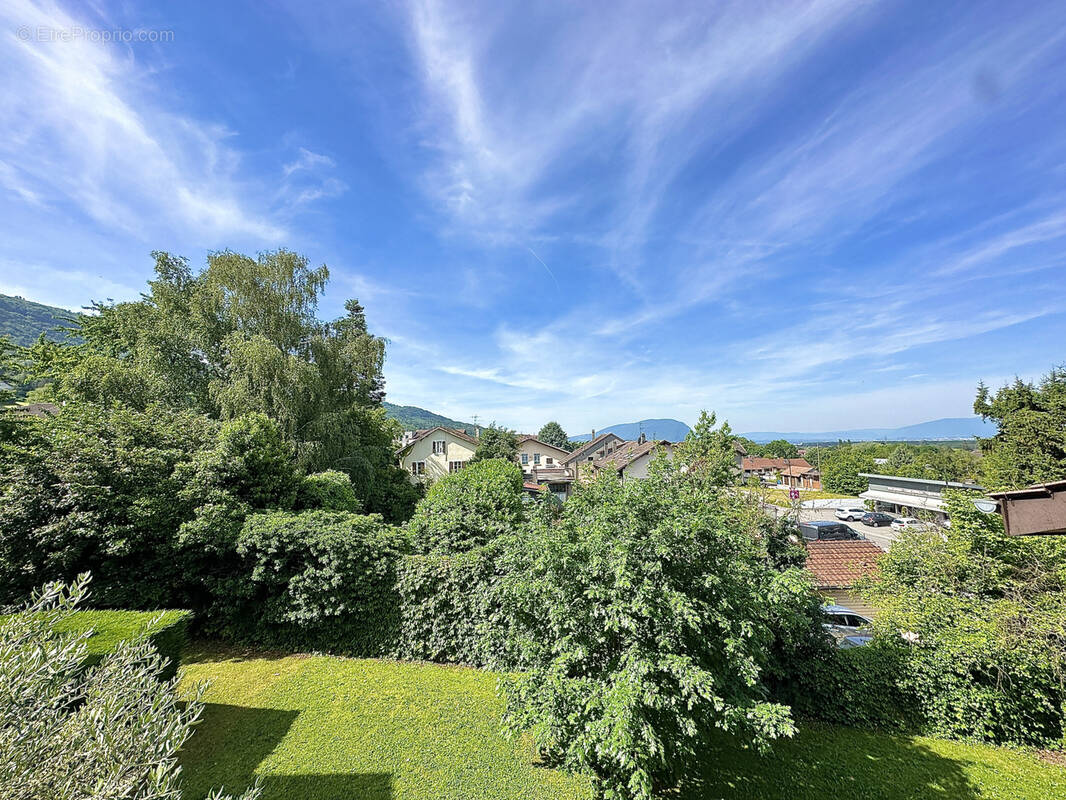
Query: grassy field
[[323, 728]]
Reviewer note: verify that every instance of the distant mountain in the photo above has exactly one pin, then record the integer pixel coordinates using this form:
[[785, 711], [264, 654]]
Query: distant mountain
[[414, 418], [672, 430], [937, 429], [23, 320]]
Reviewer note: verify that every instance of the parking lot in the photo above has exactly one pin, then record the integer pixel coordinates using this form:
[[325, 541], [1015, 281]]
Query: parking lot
[[882, 537]]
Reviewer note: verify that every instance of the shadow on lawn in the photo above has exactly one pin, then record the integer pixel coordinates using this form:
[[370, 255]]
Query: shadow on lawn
[[826, 763], [231, 741]]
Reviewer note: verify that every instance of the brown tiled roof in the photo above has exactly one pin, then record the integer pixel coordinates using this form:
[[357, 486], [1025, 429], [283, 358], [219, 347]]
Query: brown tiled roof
[[35, 409], [796, 472], [758, 462], [839, 565]]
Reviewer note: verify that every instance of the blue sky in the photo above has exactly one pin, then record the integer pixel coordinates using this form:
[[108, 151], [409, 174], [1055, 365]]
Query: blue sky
[[805, 215]]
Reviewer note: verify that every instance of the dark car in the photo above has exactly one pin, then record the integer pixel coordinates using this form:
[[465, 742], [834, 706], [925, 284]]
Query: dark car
[[828, 530], [876, 519]]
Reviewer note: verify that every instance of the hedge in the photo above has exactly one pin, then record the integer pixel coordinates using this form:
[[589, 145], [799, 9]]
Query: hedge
[[166, 630], [933, 690], [323, 580], [856, 687], [447, 608]]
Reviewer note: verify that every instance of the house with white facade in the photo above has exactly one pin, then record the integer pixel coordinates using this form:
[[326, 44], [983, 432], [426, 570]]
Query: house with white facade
[[535, 454], [434, 452]]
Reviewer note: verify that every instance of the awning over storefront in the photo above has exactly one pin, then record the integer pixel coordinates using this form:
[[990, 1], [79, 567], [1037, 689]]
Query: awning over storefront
[[904, 499]]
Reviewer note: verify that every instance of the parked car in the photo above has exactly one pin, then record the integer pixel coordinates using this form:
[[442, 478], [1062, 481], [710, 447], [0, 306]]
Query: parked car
[[848, 628], [828, 530], [877, 519], [904, 523], [854, 640], [851, 513]]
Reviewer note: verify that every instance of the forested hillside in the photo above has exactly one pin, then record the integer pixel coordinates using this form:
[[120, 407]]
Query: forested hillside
[[413, 418], [23, 320]]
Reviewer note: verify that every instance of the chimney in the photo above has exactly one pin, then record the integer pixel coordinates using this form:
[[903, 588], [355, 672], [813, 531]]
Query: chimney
[[642, 439], [593, 433]]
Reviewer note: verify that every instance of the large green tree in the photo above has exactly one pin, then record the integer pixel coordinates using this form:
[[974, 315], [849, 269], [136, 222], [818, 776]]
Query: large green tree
[[709, 451], [242, 335], [647, 619], [840, 468], [552, 433], [496, 442], [1030, 446], [780, 448]]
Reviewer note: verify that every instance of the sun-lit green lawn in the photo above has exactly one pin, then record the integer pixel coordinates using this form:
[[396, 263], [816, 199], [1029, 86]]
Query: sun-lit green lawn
[[323, 728]]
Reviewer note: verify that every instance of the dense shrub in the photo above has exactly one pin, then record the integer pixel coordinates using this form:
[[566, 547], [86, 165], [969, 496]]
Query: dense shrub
[[317, 579], [448, 607], [329, 491], [645, 620], [249, 461], [469, 508], [111, 731], [94, 489], [858, 687], [969, 677]]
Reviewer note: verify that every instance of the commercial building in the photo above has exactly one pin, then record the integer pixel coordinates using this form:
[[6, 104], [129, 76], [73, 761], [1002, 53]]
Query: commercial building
[[910, 497]]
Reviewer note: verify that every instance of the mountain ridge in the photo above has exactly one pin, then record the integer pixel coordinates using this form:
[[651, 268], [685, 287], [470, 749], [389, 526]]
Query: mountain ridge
[[946, 428], [673, 430]]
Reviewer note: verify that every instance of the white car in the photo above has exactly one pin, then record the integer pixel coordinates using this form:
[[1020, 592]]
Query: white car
[[847, 628], [907, 523], [851, 513]]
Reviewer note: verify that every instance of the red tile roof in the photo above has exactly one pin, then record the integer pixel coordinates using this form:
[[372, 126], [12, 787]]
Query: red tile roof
[[795, 472], [839, 565], [758, 462]]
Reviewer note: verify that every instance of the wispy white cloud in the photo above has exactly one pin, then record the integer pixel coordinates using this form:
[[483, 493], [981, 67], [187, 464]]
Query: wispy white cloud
[[81, 127], [582, 95], [1047, 229]]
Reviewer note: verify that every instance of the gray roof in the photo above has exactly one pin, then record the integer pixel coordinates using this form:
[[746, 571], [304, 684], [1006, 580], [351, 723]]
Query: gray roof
[[933, 485], [591, 445], [422, 434]]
